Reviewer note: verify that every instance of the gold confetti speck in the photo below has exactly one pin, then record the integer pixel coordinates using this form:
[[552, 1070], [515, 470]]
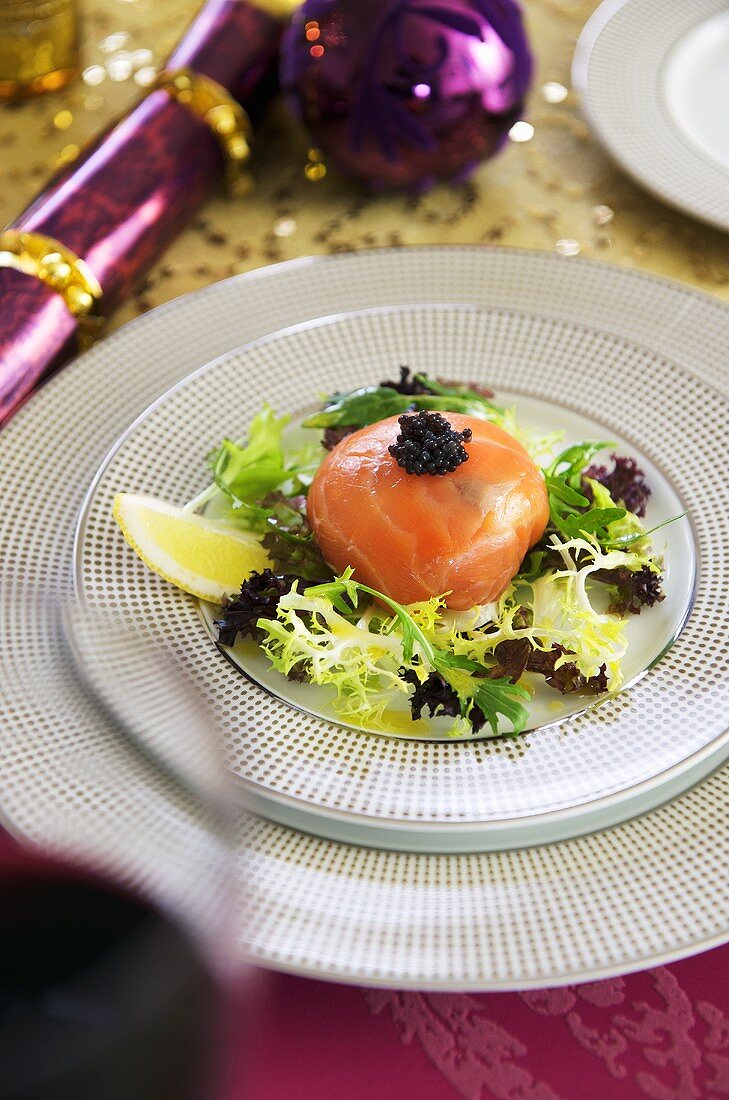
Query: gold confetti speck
[[315, 168], [119, 67], [521, 131], [141, 58], [315, 171], [567, 246], [62, 120], [554, 92], [284, 227], [67, 154], [145, 77], [113, 42], [602, 215], [94, 74], [93, 102]]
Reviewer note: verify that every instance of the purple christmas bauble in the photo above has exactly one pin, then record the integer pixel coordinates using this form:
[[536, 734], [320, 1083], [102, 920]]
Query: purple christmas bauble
[[403, 93]]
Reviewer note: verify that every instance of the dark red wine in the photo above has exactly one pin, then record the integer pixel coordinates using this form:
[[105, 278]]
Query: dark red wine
[[101, 997]]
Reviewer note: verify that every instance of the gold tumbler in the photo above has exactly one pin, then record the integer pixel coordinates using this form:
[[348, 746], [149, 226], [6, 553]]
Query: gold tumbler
[[39, 46]]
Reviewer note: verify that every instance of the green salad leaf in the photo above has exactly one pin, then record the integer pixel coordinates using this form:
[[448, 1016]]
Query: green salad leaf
[[246, 472], [358, 661], [288, 538], [627, 530], [621, 526], [570, 511], [361, 407], [451, 389], [621, 542], [374, 403]]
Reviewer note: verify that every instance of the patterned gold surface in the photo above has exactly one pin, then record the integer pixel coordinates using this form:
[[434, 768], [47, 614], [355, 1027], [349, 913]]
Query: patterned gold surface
[[554, 189]]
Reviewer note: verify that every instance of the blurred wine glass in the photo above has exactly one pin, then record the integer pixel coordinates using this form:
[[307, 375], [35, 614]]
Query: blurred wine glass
[[116, 925]]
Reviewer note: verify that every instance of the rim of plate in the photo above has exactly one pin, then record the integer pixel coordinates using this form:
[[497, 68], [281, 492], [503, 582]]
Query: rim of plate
[[562, 822], [629, 115], [602, 905]]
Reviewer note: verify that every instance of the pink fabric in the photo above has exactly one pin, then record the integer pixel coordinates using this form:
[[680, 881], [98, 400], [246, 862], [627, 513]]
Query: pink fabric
[[661, 1034]]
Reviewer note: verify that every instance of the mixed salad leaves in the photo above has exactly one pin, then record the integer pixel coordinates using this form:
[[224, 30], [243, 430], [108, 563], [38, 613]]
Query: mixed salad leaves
[[561, 621]]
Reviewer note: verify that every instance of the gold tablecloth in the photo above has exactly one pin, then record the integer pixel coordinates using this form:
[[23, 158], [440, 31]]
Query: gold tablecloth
[[557, 190]]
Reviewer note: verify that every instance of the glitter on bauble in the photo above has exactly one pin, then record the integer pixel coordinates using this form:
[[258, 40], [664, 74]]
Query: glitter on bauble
[[404, 93]]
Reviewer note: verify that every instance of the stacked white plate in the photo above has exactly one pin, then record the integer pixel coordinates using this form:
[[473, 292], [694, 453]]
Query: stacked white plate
[[653, 79], [381, 859]]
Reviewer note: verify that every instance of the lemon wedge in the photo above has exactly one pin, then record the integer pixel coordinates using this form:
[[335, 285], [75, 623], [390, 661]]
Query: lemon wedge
[[205, 557]]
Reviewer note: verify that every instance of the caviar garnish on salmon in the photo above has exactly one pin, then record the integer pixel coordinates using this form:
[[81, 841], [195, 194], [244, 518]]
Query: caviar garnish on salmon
[[427, 444]]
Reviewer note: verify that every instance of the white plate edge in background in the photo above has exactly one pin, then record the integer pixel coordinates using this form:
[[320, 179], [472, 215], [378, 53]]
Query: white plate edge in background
[[645, 140]]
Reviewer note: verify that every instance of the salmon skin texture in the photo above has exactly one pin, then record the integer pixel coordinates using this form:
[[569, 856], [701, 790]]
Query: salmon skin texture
[[463, 533]]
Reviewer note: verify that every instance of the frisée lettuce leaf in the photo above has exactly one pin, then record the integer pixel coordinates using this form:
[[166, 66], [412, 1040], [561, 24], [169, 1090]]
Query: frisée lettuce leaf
[[559, 608], [314, 629]]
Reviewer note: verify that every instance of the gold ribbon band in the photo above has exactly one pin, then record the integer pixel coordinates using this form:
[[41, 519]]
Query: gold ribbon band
[[225, 117], [62, 270]]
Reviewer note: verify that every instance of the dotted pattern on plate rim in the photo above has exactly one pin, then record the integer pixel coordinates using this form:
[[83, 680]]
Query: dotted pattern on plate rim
[[625, 741], [605, 903]]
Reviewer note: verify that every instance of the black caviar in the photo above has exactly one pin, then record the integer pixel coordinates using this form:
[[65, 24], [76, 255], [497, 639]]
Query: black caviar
[[427, 444]]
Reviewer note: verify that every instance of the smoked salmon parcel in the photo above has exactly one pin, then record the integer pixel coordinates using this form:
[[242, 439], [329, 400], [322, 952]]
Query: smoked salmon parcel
[[462, 535]]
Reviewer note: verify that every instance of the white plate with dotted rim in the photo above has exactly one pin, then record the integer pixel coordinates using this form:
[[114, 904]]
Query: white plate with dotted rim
[[649, 890], [653, 79], [567, 776]]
